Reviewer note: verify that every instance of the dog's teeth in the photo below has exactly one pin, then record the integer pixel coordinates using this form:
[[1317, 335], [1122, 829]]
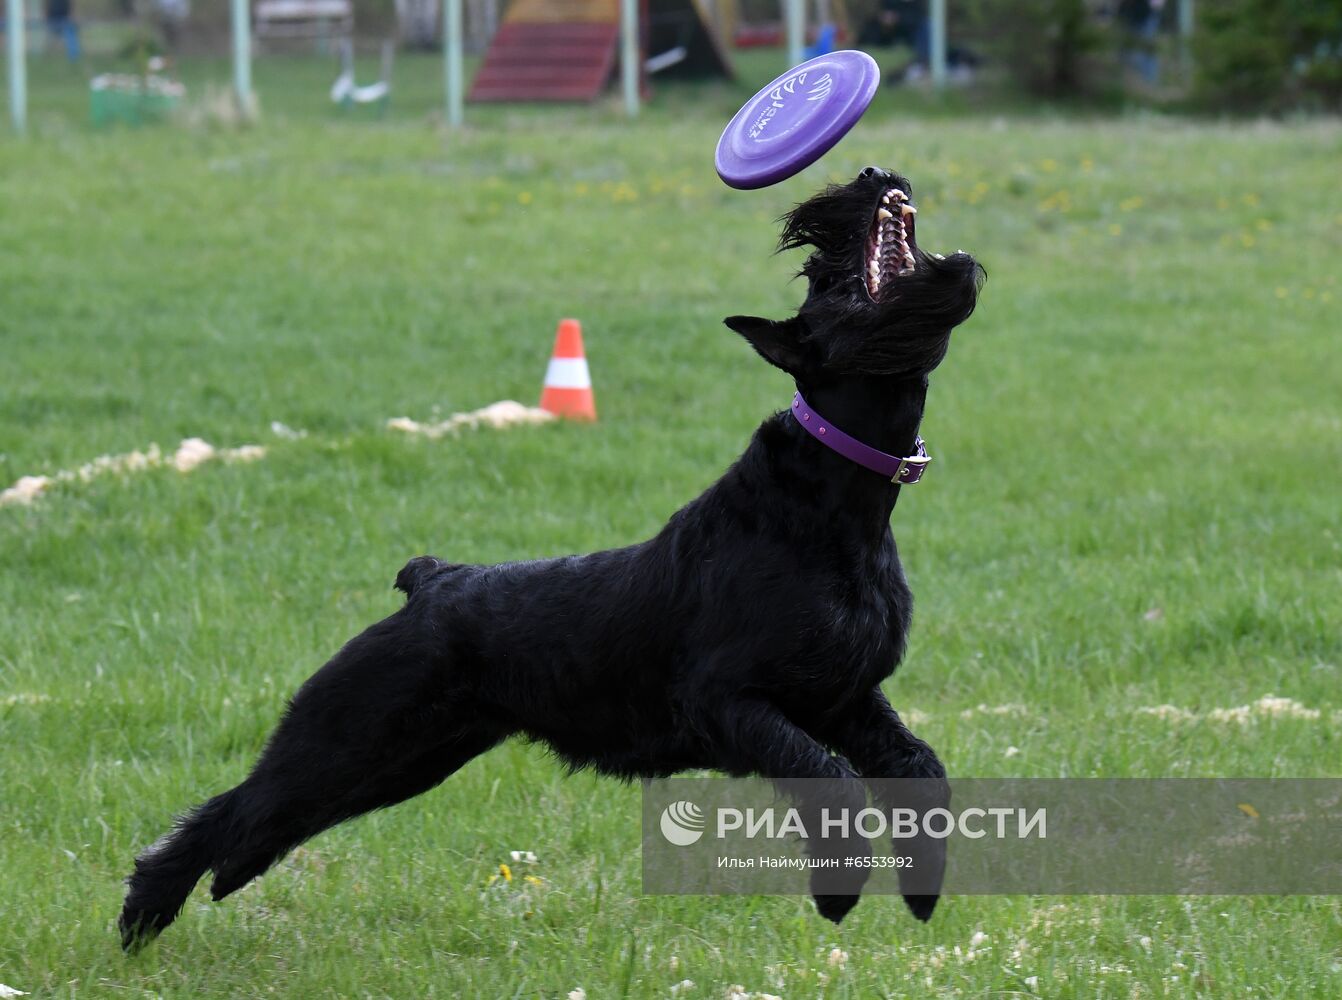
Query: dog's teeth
[[874, 269], [884, 214], [908, 259], [907, 210], [885, 198], [939, 256]]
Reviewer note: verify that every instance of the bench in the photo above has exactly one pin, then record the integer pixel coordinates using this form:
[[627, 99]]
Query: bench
[[286, 19]]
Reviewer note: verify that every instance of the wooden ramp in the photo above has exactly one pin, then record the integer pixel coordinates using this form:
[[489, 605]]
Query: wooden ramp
[[551, 50]]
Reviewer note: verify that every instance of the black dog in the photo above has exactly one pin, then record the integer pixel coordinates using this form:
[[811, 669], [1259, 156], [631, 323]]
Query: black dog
[[749, 636]]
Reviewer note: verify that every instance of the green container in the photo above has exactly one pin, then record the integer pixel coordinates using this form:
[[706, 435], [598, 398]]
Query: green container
[[112, 104]]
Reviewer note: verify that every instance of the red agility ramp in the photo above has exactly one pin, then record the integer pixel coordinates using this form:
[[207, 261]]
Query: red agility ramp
[[551, 50]]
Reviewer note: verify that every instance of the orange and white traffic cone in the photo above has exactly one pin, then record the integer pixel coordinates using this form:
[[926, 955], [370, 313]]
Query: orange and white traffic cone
[[568, 384]]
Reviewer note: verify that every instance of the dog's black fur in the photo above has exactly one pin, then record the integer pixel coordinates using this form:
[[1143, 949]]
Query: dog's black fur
[[749, 636]]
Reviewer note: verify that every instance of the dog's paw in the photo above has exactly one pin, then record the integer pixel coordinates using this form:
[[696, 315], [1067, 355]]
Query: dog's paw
[[835, 908], [922, 906], [137, 930]]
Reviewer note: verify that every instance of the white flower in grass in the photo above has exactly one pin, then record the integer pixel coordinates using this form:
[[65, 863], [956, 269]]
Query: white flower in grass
[[736, 990], [1011, 751], [10, 991], [1032, 982], [977, 939], [578, 994], [838, 958], [1145, 942], [682, 986]]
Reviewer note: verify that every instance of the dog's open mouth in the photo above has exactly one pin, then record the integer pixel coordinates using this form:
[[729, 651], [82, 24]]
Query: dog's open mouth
[[890, 242]]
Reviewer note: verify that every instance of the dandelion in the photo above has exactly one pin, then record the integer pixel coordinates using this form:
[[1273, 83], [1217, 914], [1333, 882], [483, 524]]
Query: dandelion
[[506, 872], [1087, 164], [524, 197], [533, 880], [1115, 229], [1048, 165], [1131, 204], [1281, 292]]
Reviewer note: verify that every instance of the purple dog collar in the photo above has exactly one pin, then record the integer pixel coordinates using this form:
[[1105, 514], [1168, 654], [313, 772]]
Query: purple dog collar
[[900, 471]]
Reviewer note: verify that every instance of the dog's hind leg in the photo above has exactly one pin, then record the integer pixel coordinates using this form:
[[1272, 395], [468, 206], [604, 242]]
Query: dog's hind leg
[[881, 747], [754, 737], [375, 726], [285, 804]]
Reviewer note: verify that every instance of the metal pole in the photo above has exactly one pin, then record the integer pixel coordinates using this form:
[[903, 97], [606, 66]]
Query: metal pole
[[795, 14], [1186, 37], [936, 17], [242, 55], [452, 57], [629, 58], [16, 31]]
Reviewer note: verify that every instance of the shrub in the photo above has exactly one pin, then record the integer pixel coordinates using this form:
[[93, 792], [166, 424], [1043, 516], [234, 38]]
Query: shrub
[[1257, 55]]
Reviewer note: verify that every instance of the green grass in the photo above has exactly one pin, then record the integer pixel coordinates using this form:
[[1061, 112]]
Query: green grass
[[1144, 414]]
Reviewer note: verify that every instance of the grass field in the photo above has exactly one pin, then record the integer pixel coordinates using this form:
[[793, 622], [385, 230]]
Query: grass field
[[1135, 503]]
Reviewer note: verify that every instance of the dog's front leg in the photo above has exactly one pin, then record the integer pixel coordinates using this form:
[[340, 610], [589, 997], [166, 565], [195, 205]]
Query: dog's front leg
[[753, 736], [880, 746]]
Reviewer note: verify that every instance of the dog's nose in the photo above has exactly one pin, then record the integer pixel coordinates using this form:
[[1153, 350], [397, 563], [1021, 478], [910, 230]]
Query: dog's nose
[[876, 172]]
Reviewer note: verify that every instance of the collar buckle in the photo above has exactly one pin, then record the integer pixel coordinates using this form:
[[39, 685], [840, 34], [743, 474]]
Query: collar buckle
[[910, 471]]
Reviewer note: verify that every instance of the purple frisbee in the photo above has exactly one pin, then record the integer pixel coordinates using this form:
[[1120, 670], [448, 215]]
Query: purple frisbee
[[797, 119]]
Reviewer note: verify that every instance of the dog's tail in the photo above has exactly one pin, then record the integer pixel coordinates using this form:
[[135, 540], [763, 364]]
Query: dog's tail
[[167, 871], [418, 571]]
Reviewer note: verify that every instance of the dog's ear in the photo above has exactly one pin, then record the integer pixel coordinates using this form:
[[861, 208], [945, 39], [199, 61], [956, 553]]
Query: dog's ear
[[782, 343]]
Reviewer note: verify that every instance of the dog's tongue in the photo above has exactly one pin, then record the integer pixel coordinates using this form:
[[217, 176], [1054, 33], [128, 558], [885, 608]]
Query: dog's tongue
[[796, 119]]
